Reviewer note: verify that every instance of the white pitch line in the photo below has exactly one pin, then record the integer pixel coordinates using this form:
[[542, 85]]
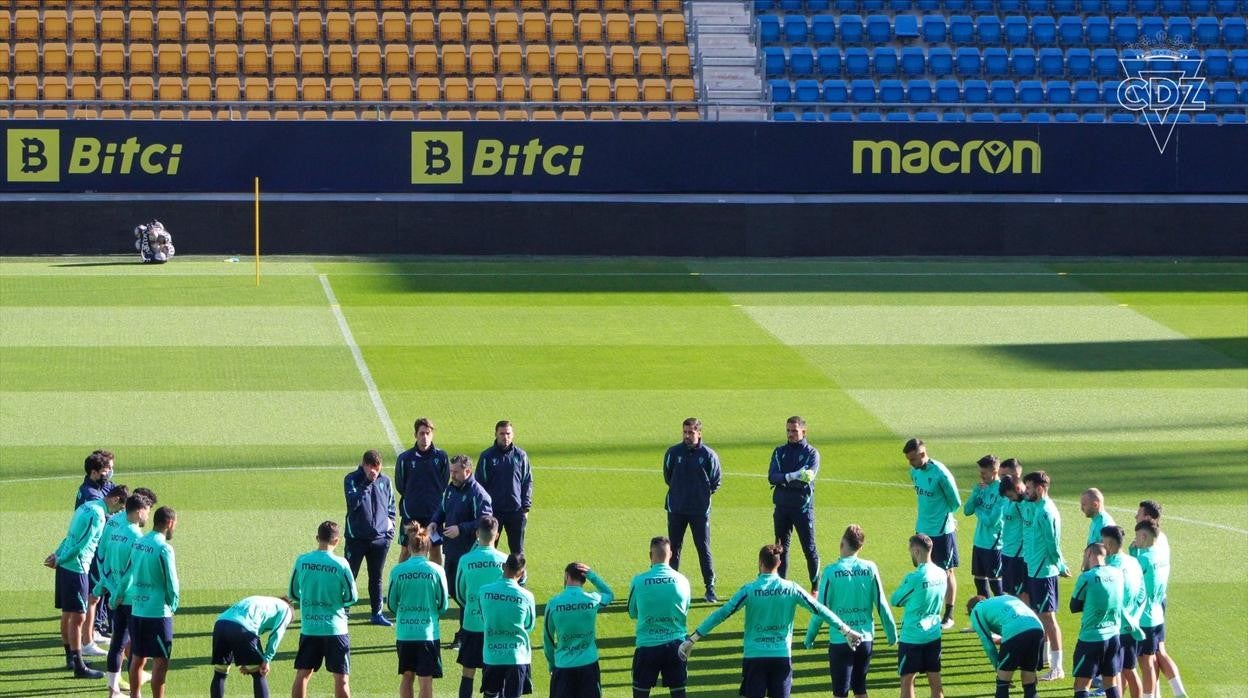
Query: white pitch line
[[746, 274], [373, 393]]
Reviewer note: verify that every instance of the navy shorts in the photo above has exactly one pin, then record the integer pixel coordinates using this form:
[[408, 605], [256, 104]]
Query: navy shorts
[[1153, 637], [986, 562], [471, 649], [766, 676], [1013, 575], [849, 668], [1042, 594], [1128, 648], [922, 658], [151, 637], [234, 644], [71, 591], [649, 663], [576, 682], [421, 657], [333, 650], [1023, 652], [945, 551], [506, 681], [1100, 658]]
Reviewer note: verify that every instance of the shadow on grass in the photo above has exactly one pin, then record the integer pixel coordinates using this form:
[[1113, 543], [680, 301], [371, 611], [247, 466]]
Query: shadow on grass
[[99, 264], [1142, 355]]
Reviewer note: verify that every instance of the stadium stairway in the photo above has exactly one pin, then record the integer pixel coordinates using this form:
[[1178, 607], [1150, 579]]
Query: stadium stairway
[[722, 31]]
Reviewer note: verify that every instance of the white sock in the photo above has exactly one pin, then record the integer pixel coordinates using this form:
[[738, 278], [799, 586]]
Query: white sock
[[1055, 660], [1046, 648], [1150, 695], [114, 680], [1176, 685]]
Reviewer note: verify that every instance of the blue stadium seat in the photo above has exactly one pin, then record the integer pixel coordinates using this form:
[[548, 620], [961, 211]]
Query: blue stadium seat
[[801, 60], [1243, 92], [795, 29], [884, 61], [1217, 63], [996, 62], [792, 5], [1234, 31], [857, 62], [761, 6], [1098, 31], [872, 5], [1093, 117], [979, 7], [1225, 93], [769, 29], [934, 29], [847, 5], [851, 29], [1199, 7], [1003, 92], [813, 116], [1078, 62], [822, 29], [1225, 7], [919, 91], [1117, 7], [869, 116], [926, 116], [984, 117], [967, 62], [1203, 95], [1234, 118], [1207, 31], [879, 29], [1070, 31], [1031, 92], [1035, 117], [975, 91], [1044, 31], [1091, 7], [1179, 29], [1109, 91], [835, 91], [906, 27], [1153, 28], [953, 117], [892, 91], [901, 5], [784, 116], [940, 62], [948, 91], [781, 90], [1122, 118], [1013, 6], [1239, 63], [1105, 63], [988, 28], [1173, 7], [961, 30], [1088, 92], [1063, 7], [1126, 30], [1023, 62], [1016, 30], [818, 5], [862, 90], [774, 61], [1052, 62], [1144, 7], [1037, 7], [1058, 92], [913, 61], [1206, 117], [897, 116], [806, 91], [1191, 62], [956, 5], [829, 60], [840, 116], [1066, 117]]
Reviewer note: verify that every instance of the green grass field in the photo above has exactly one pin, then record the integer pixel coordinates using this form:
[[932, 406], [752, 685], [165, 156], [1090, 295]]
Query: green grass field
[[244, 407]]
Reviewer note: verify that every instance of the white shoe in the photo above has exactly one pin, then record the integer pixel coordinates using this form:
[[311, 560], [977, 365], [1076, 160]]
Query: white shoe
[[145, 677], [117, 693], [101, 638], [948, 624], [91, 650], [1054, 674]]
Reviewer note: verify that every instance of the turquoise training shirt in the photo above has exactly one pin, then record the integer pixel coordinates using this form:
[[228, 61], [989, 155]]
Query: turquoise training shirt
[[114, 553], [85, 528], [937, 497], [1006, 616], [1098, 522], [510, 614], [987, 505], [1133, 590], [922, 595], [1099, 594], [150, 581], [570, 630], [1041, 540], [480, 566], [769, 603], [1155, 566], [658, 599], [259, 615], [322, 584], [418, 597], [851, 588]]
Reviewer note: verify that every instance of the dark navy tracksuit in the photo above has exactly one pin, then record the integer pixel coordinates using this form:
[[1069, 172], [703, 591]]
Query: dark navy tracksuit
[[508, 477], [89, 491], [420, 479], [461, 506], [370, 528], [692, 474], [795, 503]]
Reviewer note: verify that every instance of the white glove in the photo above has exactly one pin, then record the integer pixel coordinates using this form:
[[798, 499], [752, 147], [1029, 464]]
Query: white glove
[[684, 650], [806, 475]]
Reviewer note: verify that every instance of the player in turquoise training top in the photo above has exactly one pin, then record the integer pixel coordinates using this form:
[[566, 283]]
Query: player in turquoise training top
[[921, 594], [1155, 564], [236, 640], [1092, 504], [1022, 639], [852, 589], [658, 599], [1042, 535], [150, 585], [1112, 538], [987, 505], [120, 532], [1100, 596], [1013, 495], [480, 566], [417, 595], [769, 602], [510, 614], [1150, 510], [570, 634], [324, 587], [938, 499]]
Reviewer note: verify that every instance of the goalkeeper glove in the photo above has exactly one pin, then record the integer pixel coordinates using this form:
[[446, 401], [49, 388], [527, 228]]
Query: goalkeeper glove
[[686, 647]]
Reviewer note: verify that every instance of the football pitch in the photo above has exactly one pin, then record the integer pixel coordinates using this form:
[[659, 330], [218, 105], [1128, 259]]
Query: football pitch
[[244, 407]]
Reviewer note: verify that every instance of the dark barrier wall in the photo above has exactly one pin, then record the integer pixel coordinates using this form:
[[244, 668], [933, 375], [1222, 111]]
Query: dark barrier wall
[[564, 158]]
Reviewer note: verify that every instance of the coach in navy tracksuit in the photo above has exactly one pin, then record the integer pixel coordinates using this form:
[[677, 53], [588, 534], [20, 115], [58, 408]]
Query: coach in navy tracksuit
[[692, 473], [505, 471], [792, 476], [463, 503], [421, 473], [370, 525]]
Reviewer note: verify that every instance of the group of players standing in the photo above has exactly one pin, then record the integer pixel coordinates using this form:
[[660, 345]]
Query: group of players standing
[[450, 518]]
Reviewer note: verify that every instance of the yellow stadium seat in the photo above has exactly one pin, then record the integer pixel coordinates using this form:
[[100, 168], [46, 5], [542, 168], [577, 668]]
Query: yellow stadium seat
[[365, 27], [537, 60], [341, 61], [658, 115], [450, 27], [479, 29], [481, 60], [254, 28], [26, 88], [570, 90], [337, 5], [650, 60], [399, 89], [169, 114], [484, 90], [258, 115], [487, 115], [371, 90], [55, 25], [673, 28], [256, 89], [677, 60], [283, 60], [586, 5], [429, 115], [510, 59], [85, 59], [401, 5], [141, 89], [506, 27], [6, 26], [398, 61], [225, 59], [455, 89], [558, 5], [83, 113], [541, 90], [53, 113], [653, 90], [476, 5], [368, 59], [446, 5], [635, 6], [428, 90], [458, 115], [454, 62], [199, 115], [343, 115], [311, 59], [112, 113], [83, 25], [307, 5], [532, 6], [169, 59], [313, 89], [533, 24], [623, 61], [112, 88], [224, 26], [286, 115], [309, 27], [228, 89], [198, 59], [56, 58], [141, 26], [562, 28], [6, 59], [425, 60], [26, 25], [618, 29], [626, 90], [646, 28], [338, 27], [285, 90], [688, 115], [197, 26], [315, 115], [601, 115], [682, 90], [614, 5], [342, 89], [258, 5], [597, 90], [594, 60], [281, 26], [573, 115], [394, 27], [669, 5], [55, 88], [515, 115], [112, 25], [589, 28], [204, 4], [199, 89], [169, 26], [26, 58], [169, 89], [401, 115], [567, 61], [168, 5], [545, 115], [255, 60], [513, 89]]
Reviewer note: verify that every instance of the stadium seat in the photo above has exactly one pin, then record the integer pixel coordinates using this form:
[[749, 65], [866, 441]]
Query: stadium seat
[[1109, 91], [1051, 62], [1235, 31], [801, 61], [84, 27], [1044, 31], [1093, 118], [481, 60], [934, 30], [507, 27], [913, 61], [813, 116], [806, 91], [142, 89], [975, 91], [620, 31], [780, 90], [926, 116], [1217, 63], [835, 91], [906, 27], [399, 89], [170, 89], [996, 62], [84, 58], [953, 117], [857, 62], [1070, 31], [394, 27], [768, 29], [948, 91], [1002, 92], [1016, 30], [1035, 117], [594, 60], [828, 60], [55, 88], [784, 116], [961, 30], [840, 116], [1126, 30], [1225, 93], [1031, 92], [1066, 117], [398, 61], [940, 62], [1239, 63], [26, 25], [983, 117], [198, 59], [1079, 62], [537, 60], [140, 26], [1098, 31], [774, 62], [1058, 92], [862, 90], [255, 60], [884, 61], [1153, 28], [589, 28], [1179, 30], [1105, 63], [1087, 92], [1205, 117], [988, 30], [450, 27], [311, 60], [879, 29], [967, 61], [822, 29], [673, 28], [795, 29], [852, 30], [892, 91], [919, 92], [650, 61]]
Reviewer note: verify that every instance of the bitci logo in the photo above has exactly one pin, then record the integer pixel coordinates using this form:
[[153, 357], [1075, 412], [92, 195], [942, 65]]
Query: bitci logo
[[1161, 84], [34, 155], [437, 157]]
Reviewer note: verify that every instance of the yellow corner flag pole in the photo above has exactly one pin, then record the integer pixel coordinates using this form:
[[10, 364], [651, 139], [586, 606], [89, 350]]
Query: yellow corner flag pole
[[257, 231]]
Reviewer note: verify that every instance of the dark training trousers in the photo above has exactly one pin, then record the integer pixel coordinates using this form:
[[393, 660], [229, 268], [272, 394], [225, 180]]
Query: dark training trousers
[[513, 524], [804, 521], [374, 551], [701, 529]]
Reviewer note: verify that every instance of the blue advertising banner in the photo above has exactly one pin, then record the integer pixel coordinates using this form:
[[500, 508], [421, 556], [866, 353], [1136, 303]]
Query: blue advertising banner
[[569, 158]]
